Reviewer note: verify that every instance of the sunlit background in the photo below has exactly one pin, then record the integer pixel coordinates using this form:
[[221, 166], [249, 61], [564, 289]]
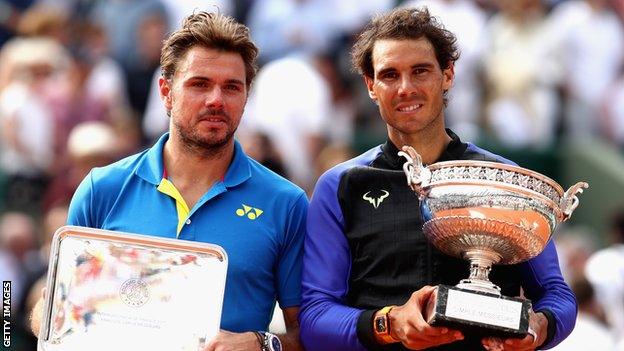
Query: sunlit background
[[539, 82]]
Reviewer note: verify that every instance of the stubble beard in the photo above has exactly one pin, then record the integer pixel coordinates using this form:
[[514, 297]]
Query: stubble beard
[[434, 122], [205, 146]]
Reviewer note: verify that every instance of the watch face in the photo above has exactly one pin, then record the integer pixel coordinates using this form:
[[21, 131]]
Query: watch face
[[276, 345], [380, 325]]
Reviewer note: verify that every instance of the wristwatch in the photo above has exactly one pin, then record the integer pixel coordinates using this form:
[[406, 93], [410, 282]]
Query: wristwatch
[[270, 342], [381, 326]]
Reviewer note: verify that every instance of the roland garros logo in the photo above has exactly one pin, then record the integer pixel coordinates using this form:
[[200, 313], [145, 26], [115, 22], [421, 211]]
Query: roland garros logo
[[134, 292]]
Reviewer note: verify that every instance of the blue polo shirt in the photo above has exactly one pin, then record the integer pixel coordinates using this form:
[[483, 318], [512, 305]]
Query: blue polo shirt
[[257, 216]]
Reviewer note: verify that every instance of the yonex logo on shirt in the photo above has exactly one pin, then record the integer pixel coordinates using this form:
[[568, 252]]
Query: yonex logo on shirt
[[251, 212]]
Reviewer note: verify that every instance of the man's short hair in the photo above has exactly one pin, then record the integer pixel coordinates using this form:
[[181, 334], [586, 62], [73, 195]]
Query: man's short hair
[[401, 24], [213, 31]]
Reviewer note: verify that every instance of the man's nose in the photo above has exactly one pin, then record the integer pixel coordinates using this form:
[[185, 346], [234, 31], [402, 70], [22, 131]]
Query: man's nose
[[406, 86], [214, 98]]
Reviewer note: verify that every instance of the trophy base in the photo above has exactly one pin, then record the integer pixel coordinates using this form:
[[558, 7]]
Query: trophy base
[[477, 313]]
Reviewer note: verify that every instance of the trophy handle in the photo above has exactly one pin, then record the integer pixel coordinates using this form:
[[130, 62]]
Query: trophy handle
[[418, 176], [570, 201]]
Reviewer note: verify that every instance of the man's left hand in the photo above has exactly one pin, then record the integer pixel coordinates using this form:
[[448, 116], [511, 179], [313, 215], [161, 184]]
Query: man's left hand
[[228, 341], [538, 323]]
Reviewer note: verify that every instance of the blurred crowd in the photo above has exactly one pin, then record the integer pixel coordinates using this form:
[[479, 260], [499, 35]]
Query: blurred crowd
[[78, 90], [597, 278]]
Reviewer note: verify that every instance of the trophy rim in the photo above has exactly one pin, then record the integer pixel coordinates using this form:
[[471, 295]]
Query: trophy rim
[[516, 169], [140, 239], [552, 205]]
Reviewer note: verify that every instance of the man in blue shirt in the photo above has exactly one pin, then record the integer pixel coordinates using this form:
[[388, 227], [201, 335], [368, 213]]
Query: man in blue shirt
[[196, 183], [365, 255]]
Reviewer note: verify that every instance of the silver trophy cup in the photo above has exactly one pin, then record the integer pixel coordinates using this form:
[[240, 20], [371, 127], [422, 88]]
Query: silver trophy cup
[[487, 213]]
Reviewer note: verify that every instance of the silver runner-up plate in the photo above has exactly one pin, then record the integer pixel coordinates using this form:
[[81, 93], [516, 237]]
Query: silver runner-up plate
[[116, 291]]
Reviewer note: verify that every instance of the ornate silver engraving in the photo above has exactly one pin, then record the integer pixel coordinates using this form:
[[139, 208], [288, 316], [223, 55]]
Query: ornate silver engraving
[[496, 175]]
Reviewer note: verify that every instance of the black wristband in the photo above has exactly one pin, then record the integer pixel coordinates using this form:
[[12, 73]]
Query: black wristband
[[552, 326], [365, 331], [260, 338]]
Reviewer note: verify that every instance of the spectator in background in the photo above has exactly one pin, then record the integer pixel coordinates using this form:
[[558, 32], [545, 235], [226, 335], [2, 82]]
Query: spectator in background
[[590, 331], [33, 66], [41, 20], [291, 103], [521, 76], [145, 60], [35, 281], [90, 144], [613, 120], [590, 40], [618, 7], [330, 156], [18, 239], [20, 263], [105, 79], [10, 12], [93, 85], [135, 30], [341, 130], [121, 20], [350, 16], [94, 90], [574, 247], [605, 271], [285, 27], [259, 146], [308, 27]]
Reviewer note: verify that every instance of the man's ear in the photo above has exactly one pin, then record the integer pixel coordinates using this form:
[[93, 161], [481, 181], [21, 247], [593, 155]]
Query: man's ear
[[369, 85], [449, 77], [164, 88]]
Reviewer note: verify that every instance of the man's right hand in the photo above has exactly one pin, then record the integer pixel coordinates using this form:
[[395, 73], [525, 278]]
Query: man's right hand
[[408, 324], [37, 314]]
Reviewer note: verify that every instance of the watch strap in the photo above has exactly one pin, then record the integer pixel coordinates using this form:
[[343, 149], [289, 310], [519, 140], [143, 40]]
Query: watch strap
[[381, 326], [260, 338]]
